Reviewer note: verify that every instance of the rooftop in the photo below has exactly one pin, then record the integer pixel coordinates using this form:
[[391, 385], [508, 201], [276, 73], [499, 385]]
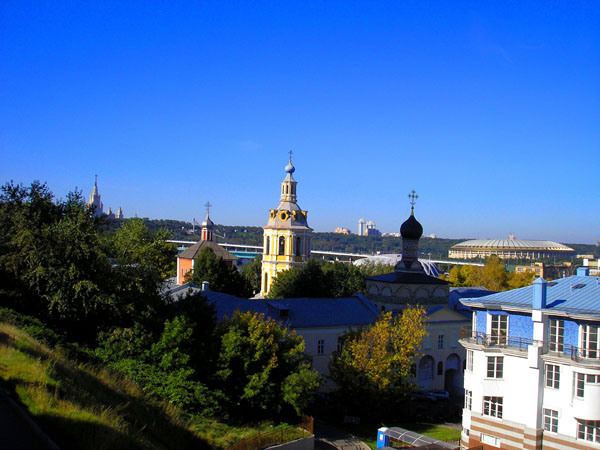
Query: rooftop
[[511, 244], [571, 296]]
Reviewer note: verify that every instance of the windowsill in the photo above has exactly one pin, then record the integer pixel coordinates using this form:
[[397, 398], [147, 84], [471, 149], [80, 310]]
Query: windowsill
[[493, 379], [492, 417]]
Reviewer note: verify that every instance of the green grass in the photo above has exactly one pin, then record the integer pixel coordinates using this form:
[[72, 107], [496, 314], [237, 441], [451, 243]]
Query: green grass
[[368, 432], [88, 408]]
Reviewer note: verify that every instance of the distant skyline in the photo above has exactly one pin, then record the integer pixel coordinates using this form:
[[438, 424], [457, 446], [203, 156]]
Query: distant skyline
[[489, 110]]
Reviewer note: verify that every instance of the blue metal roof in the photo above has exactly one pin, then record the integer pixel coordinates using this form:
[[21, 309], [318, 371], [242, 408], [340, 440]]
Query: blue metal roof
[[570, 295], [301, 312]]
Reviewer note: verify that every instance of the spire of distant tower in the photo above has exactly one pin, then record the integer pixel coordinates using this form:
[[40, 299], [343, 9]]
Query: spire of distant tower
[[413, 197]]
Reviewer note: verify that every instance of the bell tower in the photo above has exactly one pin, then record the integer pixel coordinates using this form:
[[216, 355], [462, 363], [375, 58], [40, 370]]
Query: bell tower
[[286, 237]]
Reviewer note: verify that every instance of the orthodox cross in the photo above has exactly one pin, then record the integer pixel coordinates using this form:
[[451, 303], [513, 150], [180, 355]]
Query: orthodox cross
[[413, 197], [208, 205], [290, 152]]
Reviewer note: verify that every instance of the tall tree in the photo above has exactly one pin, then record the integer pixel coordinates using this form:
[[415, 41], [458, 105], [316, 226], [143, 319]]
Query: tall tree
[[262, 367], [374, 364], [221, 278]]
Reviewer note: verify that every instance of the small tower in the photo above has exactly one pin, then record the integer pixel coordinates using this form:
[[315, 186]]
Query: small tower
[[286, 237], [207, 226], [94, 200], [119, 213], [411, 231]]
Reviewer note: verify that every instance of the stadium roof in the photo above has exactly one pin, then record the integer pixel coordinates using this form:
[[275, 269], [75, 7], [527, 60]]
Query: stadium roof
[[511, 244]]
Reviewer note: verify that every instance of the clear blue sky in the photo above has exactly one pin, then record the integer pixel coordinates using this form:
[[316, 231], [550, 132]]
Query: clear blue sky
[[490, 110]]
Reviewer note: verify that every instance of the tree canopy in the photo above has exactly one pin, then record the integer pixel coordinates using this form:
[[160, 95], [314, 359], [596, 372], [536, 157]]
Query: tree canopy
[[493, 276], [374, 365]]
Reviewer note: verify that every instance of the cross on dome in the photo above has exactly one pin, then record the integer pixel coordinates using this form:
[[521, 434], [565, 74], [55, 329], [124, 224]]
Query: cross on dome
[[413, 197], [208, 205]]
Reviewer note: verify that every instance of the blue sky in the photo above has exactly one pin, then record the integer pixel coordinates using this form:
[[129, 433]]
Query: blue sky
[[489, 110]]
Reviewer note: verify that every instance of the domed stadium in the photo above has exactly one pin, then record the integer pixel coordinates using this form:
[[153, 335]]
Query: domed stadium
[[509, 249]]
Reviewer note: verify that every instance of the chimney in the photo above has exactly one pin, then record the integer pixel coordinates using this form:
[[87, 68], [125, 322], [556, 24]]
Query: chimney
[[205, 286], [539, 293], [583, 271]]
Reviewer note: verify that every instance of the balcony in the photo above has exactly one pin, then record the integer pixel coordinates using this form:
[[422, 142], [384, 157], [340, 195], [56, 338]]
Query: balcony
[[495, 341], [580, 355]]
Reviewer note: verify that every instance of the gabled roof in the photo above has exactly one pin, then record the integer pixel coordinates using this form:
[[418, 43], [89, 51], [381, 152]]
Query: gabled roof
[[407, 278], [575, 295], [301, 312], [193, 251]]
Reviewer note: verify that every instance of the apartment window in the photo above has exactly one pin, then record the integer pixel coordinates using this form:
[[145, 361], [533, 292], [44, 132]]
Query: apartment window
[[440, 341], [495, 366], [551, 420], [470, 360], [592, 379], [589, 341], [552, 376], [492, 406], [468, 399], [557, 335], [588, 430], [579, 384], [320, 346], [499, 330]]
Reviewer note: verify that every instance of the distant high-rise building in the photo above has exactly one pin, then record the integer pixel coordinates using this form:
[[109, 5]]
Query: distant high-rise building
[[362, 227], [95, 201], [340, 230]]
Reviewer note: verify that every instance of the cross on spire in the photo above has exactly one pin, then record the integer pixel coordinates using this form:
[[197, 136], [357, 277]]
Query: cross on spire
[[413, 197], [96, 181], [208, 205], [290, 152]]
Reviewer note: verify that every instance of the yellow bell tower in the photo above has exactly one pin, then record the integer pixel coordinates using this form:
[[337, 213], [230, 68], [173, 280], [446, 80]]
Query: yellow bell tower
[[286, 237]]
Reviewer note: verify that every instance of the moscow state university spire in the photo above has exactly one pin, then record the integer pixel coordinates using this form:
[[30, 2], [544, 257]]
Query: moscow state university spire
[[286, 237]]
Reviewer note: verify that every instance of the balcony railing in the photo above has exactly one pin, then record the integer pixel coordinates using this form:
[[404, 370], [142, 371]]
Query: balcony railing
[[578, 354]]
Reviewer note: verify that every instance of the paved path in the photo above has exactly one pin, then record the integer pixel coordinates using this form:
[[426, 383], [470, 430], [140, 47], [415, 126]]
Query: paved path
[[328, 437], [17, 431]]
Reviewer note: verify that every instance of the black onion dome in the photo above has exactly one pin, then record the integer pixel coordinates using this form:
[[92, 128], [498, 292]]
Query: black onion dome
[[411, 228]]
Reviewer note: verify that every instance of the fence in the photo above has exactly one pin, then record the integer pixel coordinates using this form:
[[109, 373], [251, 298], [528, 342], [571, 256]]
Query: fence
[[276, 437]]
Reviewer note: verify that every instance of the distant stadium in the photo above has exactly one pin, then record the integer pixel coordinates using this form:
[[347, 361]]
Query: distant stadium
[[509, 249]]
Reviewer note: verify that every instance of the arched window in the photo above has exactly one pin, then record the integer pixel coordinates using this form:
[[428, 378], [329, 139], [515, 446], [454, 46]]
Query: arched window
[[268, 246], [440, 368], [298, 246], [282, 245]]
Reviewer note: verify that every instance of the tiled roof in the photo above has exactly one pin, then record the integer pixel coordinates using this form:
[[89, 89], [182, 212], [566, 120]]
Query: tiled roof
[[301, 312], [193, 251], [571, 295]]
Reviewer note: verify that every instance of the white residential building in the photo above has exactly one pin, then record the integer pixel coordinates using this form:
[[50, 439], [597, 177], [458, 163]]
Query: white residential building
[[532, 377]]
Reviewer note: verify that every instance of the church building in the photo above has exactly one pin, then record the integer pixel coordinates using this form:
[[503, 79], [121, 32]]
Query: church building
[[286, 237], [185, 260]]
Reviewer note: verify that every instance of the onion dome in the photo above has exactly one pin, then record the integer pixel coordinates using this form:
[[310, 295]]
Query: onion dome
[[290, 167], [207, 223], [411, 228]]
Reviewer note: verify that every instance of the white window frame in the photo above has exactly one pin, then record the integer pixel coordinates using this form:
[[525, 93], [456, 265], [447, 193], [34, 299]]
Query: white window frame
[[556, 335], [589, 341], [468, 400], [499, 332], [579, 384], [550, 420], [588, 430], [321, 347], [493, 405], [497, 371], [470, 360], [440, 341], [552, 376]]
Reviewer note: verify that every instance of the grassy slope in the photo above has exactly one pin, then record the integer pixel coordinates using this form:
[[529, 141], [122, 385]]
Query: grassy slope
[[81, 407]]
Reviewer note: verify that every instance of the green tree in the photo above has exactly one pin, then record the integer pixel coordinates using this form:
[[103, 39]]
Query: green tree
[[519, 280], [52, 257], [373, 366], [262, 368], [221, 278], [317, 279], [371, 269], [252, 271]]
